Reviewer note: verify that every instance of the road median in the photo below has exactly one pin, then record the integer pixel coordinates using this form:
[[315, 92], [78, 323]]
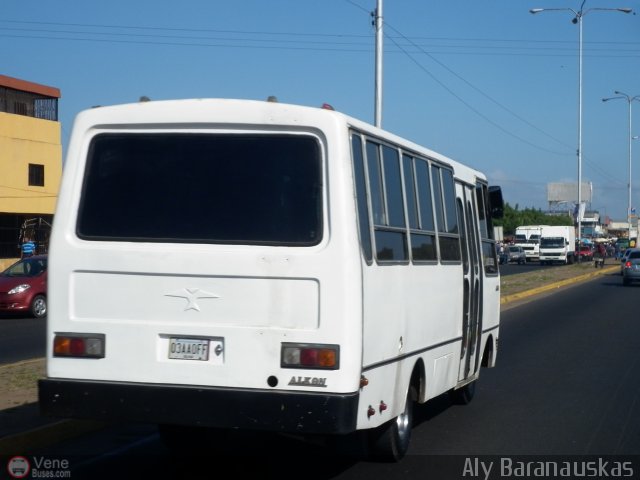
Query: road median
[[529, 284]]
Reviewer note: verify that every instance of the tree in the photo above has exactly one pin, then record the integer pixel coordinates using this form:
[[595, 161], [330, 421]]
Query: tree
[[514, 217]]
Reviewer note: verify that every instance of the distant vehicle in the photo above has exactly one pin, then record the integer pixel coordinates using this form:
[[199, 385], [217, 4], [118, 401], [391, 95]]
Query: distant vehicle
[[528, 237], [623, 259], [558, 245], [631, 267], [622, 244], [514, 254], [599, 254], [585, 253], [23, 287]]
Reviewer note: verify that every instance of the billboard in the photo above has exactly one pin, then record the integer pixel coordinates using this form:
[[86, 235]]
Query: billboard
[[564, 192]]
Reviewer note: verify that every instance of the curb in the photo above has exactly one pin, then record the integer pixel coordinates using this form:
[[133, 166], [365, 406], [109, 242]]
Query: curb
[[58, 430], [554, 286]]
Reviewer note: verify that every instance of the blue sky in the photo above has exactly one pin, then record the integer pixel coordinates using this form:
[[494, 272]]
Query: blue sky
[[484, 82]]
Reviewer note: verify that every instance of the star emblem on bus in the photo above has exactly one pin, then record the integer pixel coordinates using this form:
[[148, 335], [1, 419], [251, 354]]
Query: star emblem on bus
[[191, 295]]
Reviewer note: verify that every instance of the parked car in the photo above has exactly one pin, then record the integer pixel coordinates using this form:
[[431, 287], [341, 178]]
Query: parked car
[[23, 287], [585, 253], [631, 267], [514, 254]]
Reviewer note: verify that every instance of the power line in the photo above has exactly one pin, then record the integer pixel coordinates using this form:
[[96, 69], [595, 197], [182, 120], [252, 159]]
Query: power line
[[276, 37], [471, 107], [26, 197], [485, 95], [277, 42], [180, 44], [23, 190], [490, 98]]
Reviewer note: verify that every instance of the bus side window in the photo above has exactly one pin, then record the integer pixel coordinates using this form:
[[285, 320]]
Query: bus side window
[[437, 198], [393, 187], [445, 200], [385, 185], [423, 235], [489, 254], [375, 183], [483, 218], [361, 197]]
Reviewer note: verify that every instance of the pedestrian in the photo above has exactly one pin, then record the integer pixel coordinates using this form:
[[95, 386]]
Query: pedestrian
[[602, 254], [28, 247], [610, 250]]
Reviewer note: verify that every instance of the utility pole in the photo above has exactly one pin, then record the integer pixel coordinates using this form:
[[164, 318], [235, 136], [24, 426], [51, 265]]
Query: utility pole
[[377, 15], [577, 19], [630, 100]]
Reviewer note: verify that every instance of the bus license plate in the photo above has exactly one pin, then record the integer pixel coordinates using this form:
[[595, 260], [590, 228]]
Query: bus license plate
[[189, 348]]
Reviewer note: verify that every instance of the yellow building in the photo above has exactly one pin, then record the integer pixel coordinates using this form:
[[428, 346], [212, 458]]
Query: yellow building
[[30, 163]]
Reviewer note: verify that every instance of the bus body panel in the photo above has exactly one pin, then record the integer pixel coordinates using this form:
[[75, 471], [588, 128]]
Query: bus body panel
[[253, 297], [250, 301]]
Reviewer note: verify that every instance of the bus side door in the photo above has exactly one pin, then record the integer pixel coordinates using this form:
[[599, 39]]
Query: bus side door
[[472, 281]]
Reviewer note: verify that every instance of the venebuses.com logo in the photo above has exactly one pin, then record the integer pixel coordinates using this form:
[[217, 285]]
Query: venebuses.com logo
[[19, 466]]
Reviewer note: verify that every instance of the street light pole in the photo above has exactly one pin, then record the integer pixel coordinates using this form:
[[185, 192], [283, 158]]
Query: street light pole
[[630, 100], [577, 19]]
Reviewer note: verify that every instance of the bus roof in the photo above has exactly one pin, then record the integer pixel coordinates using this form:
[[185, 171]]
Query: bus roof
[[170, 113]]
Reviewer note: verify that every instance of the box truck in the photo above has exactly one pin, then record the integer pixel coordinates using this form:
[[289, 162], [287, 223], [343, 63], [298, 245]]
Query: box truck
[[558, 245], [528, 237]]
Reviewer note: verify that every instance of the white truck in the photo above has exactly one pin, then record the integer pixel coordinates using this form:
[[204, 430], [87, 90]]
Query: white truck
[[558, 245], [528, 237]]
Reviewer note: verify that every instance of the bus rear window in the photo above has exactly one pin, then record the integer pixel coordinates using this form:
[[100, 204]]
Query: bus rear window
[[203, 188]]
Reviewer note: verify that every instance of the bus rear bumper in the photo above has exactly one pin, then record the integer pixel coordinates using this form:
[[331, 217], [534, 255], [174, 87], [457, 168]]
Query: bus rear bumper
[[293, 412]]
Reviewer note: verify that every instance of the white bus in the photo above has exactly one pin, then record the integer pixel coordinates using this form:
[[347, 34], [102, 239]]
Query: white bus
[[230, 264]]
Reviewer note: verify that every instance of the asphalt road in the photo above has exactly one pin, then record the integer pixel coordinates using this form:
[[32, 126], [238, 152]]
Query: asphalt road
[[22, 338], [565, 384]]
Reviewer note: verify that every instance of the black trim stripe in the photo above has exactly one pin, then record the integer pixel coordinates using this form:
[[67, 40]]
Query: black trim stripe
[[410, 354], [490, 329]]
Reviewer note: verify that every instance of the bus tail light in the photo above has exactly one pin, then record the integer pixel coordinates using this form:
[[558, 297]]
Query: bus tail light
[[79, 345], [310, 356]]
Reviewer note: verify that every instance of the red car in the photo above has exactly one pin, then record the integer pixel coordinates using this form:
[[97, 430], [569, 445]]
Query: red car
[[585, 253], [23, 287]]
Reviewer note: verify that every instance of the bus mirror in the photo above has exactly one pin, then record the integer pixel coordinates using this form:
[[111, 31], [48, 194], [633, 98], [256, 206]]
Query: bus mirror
[[496, 202]]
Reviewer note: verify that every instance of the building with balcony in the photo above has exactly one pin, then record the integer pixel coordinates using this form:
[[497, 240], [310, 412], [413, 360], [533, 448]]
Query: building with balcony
[[30, 163]]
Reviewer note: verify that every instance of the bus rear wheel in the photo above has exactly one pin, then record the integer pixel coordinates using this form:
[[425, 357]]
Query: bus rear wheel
[[390, 441]]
